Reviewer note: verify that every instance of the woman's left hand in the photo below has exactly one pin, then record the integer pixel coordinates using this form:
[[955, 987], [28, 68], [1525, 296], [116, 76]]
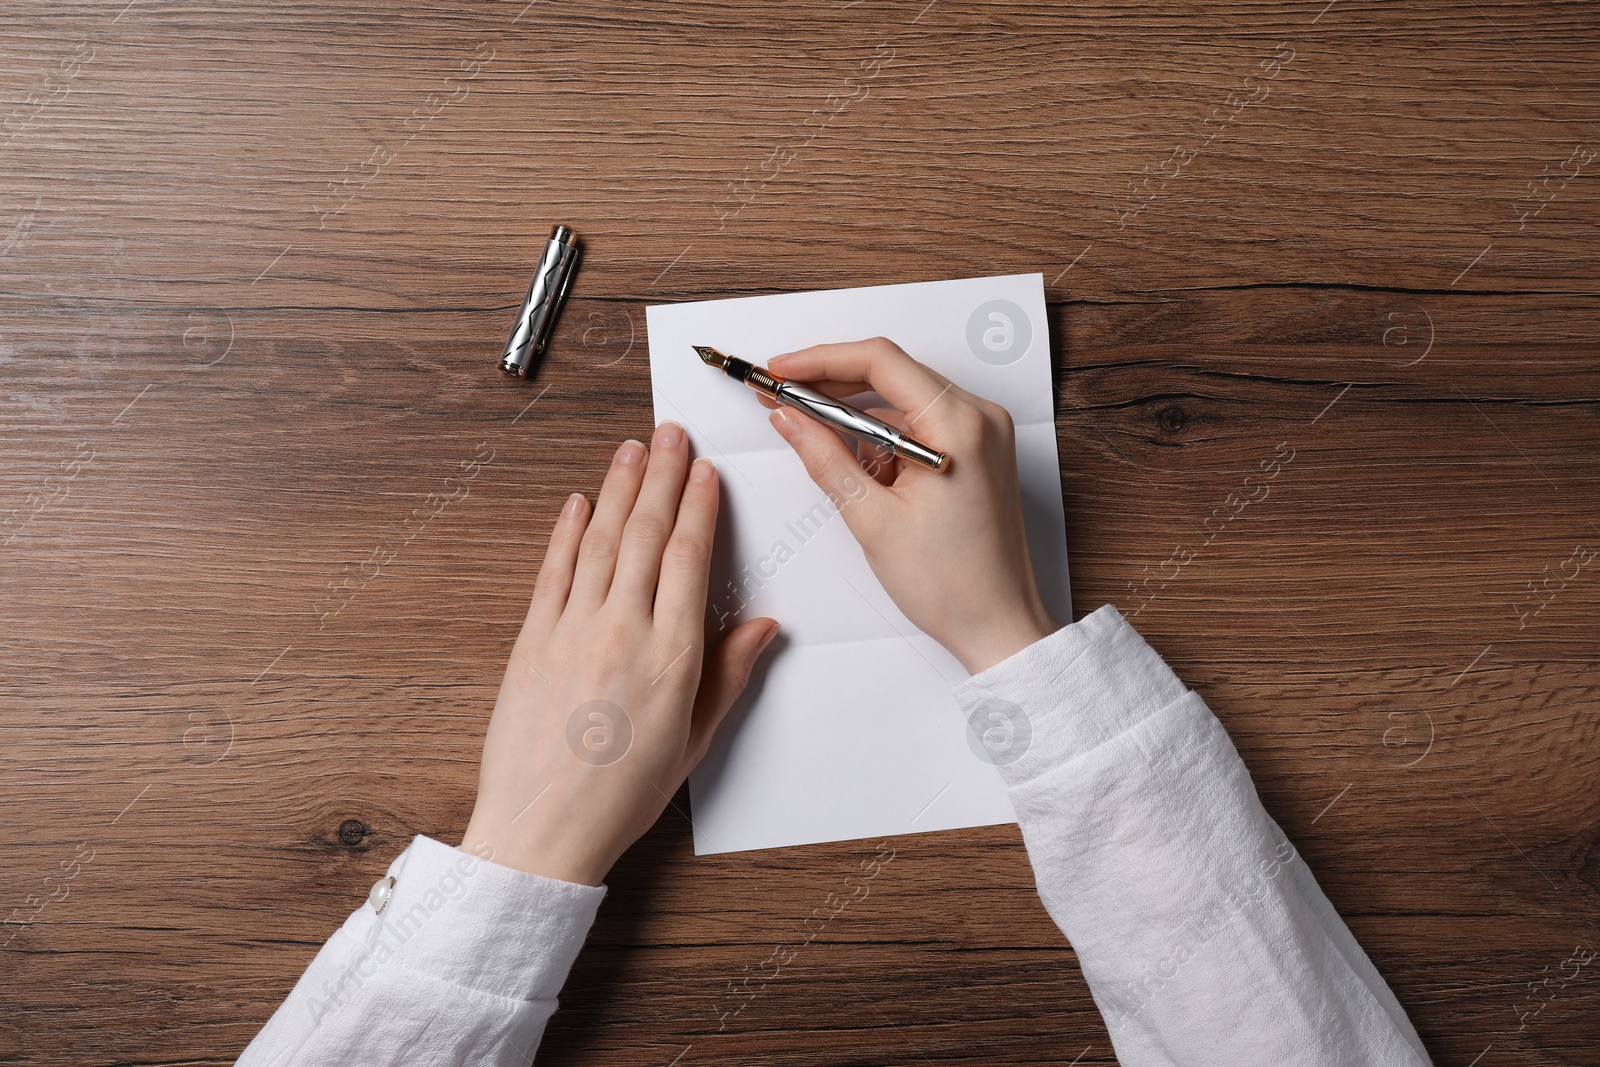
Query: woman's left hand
[[610, 700]]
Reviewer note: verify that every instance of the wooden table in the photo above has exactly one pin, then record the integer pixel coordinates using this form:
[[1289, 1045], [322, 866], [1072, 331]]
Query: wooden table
[[257, 265]]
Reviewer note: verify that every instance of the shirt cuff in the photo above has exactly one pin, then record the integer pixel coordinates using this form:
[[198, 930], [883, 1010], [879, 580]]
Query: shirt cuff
[[474, 923], [1066, 694]]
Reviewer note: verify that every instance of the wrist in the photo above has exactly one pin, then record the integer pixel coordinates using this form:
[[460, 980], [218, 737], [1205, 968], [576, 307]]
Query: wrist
[[533, 850], [997, 643]]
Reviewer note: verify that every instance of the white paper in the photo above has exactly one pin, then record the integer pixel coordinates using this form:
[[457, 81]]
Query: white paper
[[849, 729]]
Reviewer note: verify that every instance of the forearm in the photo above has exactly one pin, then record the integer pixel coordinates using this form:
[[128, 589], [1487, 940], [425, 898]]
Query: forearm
[[1202, 935], [462, 967]]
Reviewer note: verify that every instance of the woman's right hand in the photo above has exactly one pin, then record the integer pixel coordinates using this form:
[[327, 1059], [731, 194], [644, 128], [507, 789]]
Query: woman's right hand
[[949, 546]]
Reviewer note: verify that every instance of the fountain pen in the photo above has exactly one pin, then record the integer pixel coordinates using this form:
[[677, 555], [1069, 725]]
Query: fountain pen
[[825, 409]]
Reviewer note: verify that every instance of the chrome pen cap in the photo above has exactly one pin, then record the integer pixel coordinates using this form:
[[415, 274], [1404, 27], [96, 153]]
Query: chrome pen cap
[[537, 316]]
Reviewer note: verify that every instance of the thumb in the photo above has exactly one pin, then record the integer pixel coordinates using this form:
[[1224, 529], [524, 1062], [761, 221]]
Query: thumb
[[724, 679], [828, 460]]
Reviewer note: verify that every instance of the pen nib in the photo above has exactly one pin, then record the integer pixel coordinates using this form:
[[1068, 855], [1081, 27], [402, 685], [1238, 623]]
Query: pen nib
[[711, 356]]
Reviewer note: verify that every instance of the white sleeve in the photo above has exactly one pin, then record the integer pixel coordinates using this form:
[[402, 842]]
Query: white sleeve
[[1202, 935], [461, 968]]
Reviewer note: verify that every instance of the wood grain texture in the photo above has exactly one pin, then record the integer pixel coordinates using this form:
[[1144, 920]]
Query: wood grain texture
[[256, 262]]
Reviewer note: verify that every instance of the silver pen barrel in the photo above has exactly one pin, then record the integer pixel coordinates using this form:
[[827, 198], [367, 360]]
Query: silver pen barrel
[[537, 316], [858, 424]]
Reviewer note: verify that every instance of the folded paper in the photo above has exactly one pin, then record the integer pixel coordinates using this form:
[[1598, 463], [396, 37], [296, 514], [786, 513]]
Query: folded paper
[[849, 730]]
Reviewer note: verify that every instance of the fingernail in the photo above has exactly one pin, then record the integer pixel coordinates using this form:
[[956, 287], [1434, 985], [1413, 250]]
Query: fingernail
[[668, 435], [783, 420], [631, 452], [573, 505], [772, 632], [701, 470]]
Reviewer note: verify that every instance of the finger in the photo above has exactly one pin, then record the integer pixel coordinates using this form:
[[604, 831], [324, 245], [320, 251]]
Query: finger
[[879, 464], [830, 462], [597, 556], [686, 561], [879, 362], [894, 418], [724, 679], [555, 575], [655, 513]]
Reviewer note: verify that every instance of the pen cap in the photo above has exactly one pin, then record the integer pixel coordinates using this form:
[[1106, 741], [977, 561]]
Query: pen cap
[[537, 316]]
